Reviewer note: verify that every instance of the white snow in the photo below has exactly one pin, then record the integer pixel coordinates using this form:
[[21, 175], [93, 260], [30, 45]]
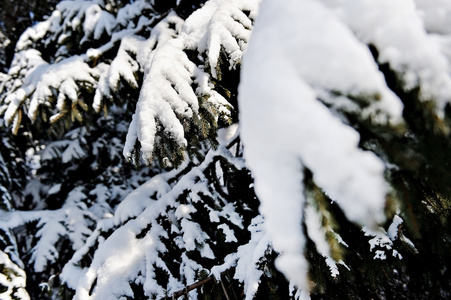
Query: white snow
[[436, 15], [226, 26], [45, 250], [392, 231], [68, 148], [397, 29], [249, 255], [96, 22], [123, 257], [38, 80], [285, 128], [13, 280], [165, 92], [381, 242], [192, 235], [318, 235], [44, 79], [141, 198], [229, 234]]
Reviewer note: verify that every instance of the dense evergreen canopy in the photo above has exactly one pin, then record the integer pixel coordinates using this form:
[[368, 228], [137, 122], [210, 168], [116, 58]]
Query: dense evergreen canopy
[[225, 149]]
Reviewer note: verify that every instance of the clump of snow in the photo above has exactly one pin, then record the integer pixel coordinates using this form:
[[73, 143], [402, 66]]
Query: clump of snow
[[45, 250], [229, 233], [286, 129], [192, 235], [96, 22], [298, 294], [436, 15], [226, 26], [398, 31], [393, 229], [381, 242]]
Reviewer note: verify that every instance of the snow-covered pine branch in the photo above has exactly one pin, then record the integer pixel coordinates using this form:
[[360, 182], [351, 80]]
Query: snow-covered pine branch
[[75, 182], [179, 104], [59, 62], [168, 228], [317, 72], [185, 107]]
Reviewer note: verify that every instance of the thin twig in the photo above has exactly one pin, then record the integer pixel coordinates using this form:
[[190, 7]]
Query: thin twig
[[195, 285], [191, 287], [224, 289]]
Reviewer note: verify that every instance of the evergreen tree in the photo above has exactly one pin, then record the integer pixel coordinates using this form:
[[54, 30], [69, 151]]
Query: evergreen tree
[[133, 132]]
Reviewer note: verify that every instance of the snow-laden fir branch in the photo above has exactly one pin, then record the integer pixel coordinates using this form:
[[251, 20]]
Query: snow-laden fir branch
[[294, 83], [178, 100], [54, 67], [179, 105], [159, 217], [72, 221]]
